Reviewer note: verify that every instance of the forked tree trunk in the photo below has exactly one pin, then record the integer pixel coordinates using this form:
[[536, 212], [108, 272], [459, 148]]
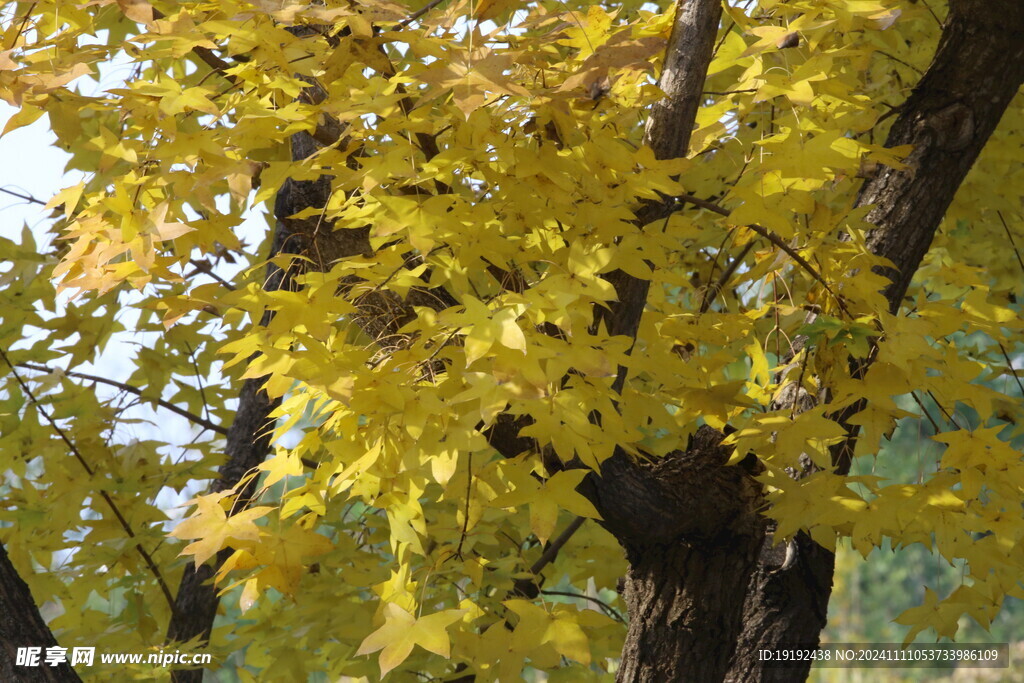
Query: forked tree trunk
[[700, 611], [692, 530], [705, 591]]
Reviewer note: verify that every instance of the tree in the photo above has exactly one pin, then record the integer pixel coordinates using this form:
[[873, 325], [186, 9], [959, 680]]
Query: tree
[[546, 280]]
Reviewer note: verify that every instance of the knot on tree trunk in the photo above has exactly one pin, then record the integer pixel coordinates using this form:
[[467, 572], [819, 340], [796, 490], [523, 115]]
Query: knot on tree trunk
[[692, 529], [690, 496]]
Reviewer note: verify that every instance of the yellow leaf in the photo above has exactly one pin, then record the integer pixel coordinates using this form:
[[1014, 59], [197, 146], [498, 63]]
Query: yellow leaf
[[211, 524], [68, 197], [402, 631], [137, 10], [283, 464], [510, 335], [562, 489], [250, 592], [569, 639], [158, 225], [26, 115], [543, 517]]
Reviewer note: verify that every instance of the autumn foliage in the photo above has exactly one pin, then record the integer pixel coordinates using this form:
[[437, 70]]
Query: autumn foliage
[[464, 195]]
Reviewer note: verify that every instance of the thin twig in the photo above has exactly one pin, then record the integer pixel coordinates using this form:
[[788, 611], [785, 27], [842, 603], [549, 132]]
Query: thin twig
[[125, 525], [192, 417], [551, 552], [1009, 236], [1009, 364], [608, 609], [728, 92], [897, 59], [26, 197], [799, 381], [771, 237], [417, 14], [721, 41], [24, 20], [713, 291], [199, 380], [205, 268], [469, 495], [945, 412], [718, 253], [924, 410], [932, 12]]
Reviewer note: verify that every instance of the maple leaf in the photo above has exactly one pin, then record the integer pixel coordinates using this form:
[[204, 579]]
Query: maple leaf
[[161, 228], [402, 631], [213, 527], [472, 77]]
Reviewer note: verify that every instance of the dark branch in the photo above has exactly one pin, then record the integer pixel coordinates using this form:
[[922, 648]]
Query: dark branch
[[951, 114], [192, 417], [26, 197], [121, 520]]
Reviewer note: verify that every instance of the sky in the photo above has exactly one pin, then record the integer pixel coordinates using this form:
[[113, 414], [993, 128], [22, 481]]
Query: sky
[[32, 167]]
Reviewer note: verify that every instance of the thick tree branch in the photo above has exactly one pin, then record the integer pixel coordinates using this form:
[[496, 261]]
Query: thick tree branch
[[686, 494], [380, 315], [687, 57], [248, 442], [636, 504], [668, 131], [977, 70]]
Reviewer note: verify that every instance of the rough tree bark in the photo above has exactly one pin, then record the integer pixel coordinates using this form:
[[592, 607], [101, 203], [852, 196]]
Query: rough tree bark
[[21, 625], [691, 529], [689, 524]]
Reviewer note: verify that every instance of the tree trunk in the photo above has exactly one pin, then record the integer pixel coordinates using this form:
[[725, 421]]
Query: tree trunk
[[685, 602], [977, 70], [691, 527], [787, 603], [195, 604], [248, 439], [21, 625]]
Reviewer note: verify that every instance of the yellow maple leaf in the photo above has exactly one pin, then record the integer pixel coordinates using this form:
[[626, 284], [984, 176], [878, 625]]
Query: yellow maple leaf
[[402, 631], [212, 526], [161, 228]]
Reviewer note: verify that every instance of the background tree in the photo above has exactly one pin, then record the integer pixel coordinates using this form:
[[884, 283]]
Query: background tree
[[513, 285]]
